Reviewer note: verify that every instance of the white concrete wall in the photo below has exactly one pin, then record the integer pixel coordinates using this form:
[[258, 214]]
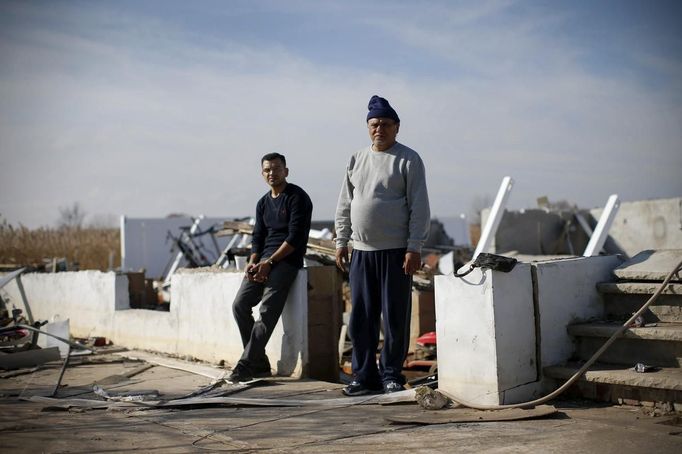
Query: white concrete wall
[[486, 334], [202, 302], [567, 294], [88, 298], [514, 328], [146, 330], [199, 324], [486, 325], [466, 365]]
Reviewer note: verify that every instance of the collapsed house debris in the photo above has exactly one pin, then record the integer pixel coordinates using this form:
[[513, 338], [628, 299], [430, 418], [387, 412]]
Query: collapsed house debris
[[509, 327], [251, 417], [446, 261], [563, 229], [225, 245]]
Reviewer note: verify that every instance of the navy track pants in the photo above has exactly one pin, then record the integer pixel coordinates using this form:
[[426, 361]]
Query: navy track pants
[[379, 286]]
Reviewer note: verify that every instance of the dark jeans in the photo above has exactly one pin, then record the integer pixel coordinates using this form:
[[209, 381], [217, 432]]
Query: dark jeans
[[256, 334], [379, 286]]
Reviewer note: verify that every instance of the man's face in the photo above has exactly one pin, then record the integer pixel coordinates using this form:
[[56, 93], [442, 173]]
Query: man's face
[[274, 172], [383, 132]]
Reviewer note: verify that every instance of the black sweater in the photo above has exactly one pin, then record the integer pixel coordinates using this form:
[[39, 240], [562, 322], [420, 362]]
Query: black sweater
[[286, 218]]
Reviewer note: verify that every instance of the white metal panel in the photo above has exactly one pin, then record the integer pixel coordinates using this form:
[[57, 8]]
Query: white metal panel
[[601, 231], [496, 213]]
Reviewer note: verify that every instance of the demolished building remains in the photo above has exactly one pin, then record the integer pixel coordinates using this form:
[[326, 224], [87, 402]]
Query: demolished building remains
[[521, 332]]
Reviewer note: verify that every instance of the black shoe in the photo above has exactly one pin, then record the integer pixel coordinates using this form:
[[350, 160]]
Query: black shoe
[[240, 374], [392, 387], [262, 373], [355, 388], [261, 368]]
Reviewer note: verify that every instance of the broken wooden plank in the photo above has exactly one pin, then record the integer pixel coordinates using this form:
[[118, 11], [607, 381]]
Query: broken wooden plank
[[232, 227], [461, 415], [212, 389], [244, 228], [199, 369]]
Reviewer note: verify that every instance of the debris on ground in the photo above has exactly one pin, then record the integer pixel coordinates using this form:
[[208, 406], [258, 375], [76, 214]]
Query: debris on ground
[[642, 368], [131, 396], [431, 399], [461, 415]]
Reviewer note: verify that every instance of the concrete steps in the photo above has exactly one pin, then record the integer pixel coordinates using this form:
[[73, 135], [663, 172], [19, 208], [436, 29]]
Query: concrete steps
[[622, 299], [622, 385], [657, 343]]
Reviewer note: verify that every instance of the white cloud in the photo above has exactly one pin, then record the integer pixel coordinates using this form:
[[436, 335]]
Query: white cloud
[[138, 119]]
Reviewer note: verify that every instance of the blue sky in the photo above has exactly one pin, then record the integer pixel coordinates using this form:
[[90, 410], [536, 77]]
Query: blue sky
[[146, 108]]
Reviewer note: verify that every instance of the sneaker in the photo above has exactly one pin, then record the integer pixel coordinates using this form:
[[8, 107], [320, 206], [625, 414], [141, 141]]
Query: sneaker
[[355, 388], [392, 387], [240, 374], [261, 368], [262, 373]]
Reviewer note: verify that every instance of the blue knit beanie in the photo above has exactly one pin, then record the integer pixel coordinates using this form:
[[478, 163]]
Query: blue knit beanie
[[379, 107]]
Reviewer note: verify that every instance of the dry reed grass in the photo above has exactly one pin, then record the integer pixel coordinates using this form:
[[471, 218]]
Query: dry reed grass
[[83, 248]]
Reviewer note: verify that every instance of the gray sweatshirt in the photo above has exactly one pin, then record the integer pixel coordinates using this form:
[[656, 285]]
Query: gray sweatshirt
[[383, 203]]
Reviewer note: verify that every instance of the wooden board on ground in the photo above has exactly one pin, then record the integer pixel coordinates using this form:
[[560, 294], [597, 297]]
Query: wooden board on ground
[[461, 415], [222, 388], [195, 368]]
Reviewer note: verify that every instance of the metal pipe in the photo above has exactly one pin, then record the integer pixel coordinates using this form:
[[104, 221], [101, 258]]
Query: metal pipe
[[61, 373]]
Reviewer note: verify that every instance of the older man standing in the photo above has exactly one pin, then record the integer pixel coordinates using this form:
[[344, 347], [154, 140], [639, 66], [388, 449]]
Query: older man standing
[[384, 208]]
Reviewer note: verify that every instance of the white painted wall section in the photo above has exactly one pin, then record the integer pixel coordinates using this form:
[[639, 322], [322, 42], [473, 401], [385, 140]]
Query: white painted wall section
[[486, 325], [567, 293], [202, 303], [88, 298], [646, 224], [147, 330], [200, 322], [486, 334]]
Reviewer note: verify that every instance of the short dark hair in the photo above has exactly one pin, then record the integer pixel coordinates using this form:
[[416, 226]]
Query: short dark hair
[[272, 156]]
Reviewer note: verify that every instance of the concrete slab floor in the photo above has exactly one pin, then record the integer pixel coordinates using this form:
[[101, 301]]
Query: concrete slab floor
[[579, 427]]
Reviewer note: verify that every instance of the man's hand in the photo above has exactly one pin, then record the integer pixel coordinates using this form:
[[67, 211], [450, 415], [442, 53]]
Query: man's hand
[[262, 272], [412, 263], [250, 271], [257, 272], [342, 258]]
